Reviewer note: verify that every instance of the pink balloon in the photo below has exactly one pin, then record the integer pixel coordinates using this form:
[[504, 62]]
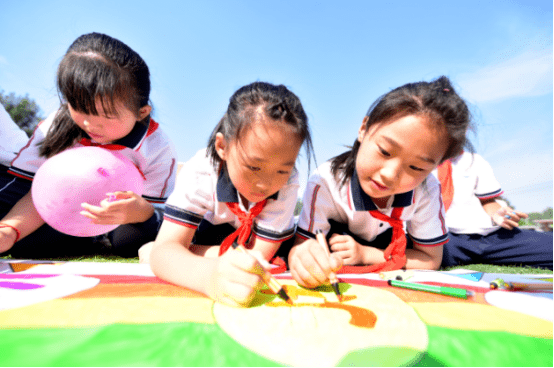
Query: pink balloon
[[81, 175]]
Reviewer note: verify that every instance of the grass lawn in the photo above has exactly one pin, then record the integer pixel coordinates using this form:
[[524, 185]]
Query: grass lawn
[[473, 267]]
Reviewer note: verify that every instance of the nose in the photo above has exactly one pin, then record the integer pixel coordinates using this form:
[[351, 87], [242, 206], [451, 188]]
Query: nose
[[264, 183], [390, 172]]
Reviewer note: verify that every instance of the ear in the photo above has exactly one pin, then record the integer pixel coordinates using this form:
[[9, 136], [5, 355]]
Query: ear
[[363, 129], [144, 112], [221, 145]]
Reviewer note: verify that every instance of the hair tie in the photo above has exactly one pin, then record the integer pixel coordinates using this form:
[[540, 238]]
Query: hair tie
[[446, 90]]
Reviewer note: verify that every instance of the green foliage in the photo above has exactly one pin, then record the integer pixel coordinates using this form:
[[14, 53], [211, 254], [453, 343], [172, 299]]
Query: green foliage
[[544, 215], [24, 111], [298, 207]]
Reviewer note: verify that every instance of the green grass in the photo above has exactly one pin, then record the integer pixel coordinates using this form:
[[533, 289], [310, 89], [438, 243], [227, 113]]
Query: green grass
[[474, 267]]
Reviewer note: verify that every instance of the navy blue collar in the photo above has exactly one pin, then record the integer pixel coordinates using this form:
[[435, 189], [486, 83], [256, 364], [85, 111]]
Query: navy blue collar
[[226, 191], [363, 202]]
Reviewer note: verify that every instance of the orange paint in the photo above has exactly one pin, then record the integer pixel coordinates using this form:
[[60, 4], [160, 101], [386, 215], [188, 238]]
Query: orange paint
[[360, 317]]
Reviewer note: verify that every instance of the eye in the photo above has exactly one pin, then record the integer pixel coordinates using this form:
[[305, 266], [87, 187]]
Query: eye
[[253, 168], [383, 152], [283, 172], [415, 168]]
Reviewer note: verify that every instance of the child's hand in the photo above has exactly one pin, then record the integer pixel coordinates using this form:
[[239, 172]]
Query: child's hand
[[350, 251], [236, 278], [508, 218], [309, 264], [119, 208]]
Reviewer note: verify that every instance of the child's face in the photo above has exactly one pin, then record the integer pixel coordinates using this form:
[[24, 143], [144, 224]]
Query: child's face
[[107, 129], [395, 157], [261, 161]]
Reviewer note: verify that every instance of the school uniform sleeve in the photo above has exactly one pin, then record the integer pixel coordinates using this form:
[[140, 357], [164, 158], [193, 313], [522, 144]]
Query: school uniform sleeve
[[160, 172], [28, 159], [487, 186], [193, 195], [427, 227], [318, 205], [12, 138], [276, 221]]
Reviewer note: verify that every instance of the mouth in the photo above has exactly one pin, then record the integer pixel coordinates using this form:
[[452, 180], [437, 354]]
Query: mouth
[[259, 196], [378, 185]]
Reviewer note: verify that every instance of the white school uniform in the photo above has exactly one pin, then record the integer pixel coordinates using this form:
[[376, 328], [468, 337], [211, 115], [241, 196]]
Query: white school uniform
[[146, 146], [474, 181], [324, 200], [201, 193], [12, 138]]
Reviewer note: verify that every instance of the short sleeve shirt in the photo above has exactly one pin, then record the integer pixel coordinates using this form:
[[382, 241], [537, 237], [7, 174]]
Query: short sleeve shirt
[[202, 191], [12, 138], [146, 146], [325, 200], [474, 181]]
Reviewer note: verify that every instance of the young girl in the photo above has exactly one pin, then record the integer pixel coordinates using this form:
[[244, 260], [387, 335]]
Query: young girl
[[104, 87], [362, 197], [245, 182]]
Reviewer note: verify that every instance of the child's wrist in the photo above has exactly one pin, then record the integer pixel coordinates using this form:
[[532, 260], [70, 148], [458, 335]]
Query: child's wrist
[[12, 229]]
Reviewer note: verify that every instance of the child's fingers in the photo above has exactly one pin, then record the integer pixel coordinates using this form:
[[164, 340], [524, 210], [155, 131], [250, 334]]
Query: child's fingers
[[521, 214], [305, 278], [317, 263]]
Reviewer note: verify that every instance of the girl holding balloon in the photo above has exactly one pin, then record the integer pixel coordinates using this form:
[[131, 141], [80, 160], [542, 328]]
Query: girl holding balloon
[[105, 87]]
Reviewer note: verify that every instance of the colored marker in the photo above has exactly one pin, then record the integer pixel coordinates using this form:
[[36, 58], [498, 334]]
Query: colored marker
[[521, 286], [443, 290], [332, 277], [268, 278]]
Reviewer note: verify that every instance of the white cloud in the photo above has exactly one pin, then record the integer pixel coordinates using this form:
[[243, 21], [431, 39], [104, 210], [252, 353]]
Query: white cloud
[[527, 74]]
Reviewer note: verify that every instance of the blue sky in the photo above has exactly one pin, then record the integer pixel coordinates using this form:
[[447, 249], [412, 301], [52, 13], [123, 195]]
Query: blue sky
[[337, 56]]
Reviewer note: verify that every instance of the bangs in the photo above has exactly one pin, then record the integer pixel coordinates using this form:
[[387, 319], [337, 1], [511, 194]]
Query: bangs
[[85, 78]]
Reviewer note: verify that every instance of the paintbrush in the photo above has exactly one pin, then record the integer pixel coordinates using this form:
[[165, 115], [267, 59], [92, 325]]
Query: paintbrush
[[332, 276], [519, 286], [268, 278]]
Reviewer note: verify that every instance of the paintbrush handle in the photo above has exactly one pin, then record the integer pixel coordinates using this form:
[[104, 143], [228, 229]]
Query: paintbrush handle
[[323, 242], [525, 286]]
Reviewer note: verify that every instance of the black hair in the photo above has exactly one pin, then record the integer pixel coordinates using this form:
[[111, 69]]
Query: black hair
[[278, 104], [96, 66], [436, 100]]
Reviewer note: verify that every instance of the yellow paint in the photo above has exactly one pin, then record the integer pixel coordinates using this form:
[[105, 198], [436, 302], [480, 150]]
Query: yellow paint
[[61, 313], [480, 317]]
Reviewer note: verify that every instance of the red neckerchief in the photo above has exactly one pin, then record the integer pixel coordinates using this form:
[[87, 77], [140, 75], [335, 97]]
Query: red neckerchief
[[245, 228], [444, 173], [395, 254]]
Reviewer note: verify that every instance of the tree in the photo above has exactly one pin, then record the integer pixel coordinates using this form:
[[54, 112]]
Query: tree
[[24, 111]]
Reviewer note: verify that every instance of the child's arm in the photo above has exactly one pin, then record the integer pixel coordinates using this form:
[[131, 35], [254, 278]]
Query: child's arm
[[424, 258], [265, 248], [24, 217], [309, 264], [123, 208], [353, 253], [231, 279]]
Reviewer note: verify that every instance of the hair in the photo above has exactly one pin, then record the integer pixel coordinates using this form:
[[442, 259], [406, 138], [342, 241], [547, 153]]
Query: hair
[[96, 67], [436, 100], [278, 104]]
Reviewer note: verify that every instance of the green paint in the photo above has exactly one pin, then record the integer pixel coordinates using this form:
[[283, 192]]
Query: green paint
[[148, 345], [463, 348]]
